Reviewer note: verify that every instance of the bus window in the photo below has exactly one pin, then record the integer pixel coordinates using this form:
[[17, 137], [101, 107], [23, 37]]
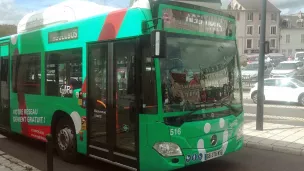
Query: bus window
[[63, 72], [125, 70], [27, 69]]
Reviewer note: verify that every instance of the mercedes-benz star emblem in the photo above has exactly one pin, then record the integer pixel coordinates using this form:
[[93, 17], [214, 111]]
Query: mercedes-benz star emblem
[[213, 140]]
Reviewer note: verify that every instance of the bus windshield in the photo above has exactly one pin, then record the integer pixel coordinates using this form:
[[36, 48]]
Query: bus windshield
[[199, 71]]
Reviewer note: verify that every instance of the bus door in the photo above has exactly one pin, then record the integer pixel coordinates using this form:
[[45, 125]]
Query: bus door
[[113, 123], [4, 86]]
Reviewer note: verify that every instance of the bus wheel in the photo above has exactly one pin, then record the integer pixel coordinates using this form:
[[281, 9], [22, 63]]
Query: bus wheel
[[66, 140]]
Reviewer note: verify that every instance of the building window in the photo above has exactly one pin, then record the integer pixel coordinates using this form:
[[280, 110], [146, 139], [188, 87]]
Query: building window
[[259, 29], [272, 43], [238, 15], [273, 30], [284, 52], [274, 17], [288, 38], [249, 43], [249, 30], [63, 72], [260, 16], [289, 52], [302, 38], [258, 43], [250, 16], [27, 73]]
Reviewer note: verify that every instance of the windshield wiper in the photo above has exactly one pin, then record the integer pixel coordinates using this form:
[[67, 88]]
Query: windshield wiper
[[232, 108]]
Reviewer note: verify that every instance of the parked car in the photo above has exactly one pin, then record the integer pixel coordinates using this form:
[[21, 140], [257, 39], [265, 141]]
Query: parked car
[[276, 58], [288, 69], [281, 89], [299, 56], [250, 72]]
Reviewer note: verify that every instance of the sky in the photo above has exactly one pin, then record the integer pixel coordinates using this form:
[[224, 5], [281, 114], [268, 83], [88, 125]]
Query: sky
[[11, 11]]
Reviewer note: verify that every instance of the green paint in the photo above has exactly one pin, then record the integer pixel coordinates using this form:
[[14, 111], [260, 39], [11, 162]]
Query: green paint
[[152, 128], [4, 50]]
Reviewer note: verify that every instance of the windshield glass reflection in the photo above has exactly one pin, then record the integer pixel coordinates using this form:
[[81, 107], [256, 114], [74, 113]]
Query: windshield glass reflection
[[199, 71]]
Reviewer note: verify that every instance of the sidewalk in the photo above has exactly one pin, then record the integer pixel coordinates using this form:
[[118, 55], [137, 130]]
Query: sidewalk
[[9, 163], [275, 137]]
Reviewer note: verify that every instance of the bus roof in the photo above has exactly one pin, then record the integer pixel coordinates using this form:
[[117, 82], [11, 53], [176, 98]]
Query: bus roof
[[66, 11]]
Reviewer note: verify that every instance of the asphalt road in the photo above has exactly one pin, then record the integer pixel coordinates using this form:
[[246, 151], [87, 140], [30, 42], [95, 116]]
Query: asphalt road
[[247, 159]]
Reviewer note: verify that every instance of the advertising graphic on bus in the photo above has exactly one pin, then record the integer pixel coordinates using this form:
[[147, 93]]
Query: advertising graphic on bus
[[155, 86]]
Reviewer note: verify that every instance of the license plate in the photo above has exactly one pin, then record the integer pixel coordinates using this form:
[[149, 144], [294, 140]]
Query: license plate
[[213, 154]]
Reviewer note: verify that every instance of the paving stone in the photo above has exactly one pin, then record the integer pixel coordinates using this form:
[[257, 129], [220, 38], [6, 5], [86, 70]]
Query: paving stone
[[277, 137], [18, 168], [13, 164], [267, 142], [287, 150], [255, 139], [259, 146], [266, 135], [295, 145], [291, 138], [280, 143]]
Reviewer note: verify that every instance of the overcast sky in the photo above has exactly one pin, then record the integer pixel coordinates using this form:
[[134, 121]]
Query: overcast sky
[[11, 11]]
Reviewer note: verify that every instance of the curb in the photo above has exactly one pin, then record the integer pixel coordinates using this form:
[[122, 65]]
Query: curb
[[280, 149]]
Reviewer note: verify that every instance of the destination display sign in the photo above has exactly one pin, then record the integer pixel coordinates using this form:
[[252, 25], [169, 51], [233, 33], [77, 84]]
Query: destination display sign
[[195, 22], [63, 35]]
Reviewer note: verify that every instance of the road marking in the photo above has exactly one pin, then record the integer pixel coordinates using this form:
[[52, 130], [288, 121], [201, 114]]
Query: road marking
[[276, 117], [276, 106]]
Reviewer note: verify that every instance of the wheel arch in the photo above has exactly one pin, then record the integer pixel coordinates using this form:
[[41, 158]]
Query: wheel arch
[[300, 95], [254, 92], [57, 116]]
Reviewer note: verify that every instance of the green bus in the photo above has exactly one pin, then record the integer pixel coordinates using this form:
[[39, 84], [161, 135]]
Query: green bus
[[155, 86]]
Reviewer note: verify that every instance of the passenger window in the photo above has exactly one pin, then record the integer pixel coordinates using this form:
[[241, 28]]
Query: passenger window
[[63, 72], [4, 69], [284, 83], [27, 73], [124, 55], [269, 83]]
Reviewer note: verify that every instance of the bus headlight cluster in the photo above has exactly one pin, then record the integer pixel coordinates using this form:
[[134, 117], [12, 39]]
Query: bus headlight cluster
[[168, 149], [239, 133]]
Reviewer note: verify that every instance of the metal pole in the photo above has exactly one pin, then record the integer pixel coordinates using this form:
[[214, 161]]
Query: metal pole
[[49, 152], [260, 102]]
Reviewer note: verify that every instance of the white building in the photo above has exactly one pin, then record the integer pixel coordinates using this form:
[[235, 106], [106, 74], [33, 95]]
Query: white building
[[248, 17], [215, 4], [292, 34]]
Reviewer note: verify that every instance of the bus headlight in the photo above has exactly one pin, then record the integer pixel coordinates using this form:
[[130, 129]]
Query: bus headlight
[[168, 149]]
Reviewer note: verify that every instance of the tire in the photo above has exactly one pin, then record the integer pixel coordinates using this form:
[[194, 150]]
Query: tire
[[65, 140], [301, 99], [254, 97]]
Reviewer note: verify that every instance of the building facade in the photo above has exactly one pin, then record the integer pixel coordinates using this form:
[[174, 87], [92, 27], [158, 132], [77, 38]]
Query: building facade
[[292, 34], [248, 17], [215, 4]]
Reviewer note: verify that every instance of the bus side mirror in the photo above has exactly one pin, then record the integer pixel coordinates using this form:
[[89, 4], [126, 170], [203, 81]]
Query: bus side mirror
[[158, 44]]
